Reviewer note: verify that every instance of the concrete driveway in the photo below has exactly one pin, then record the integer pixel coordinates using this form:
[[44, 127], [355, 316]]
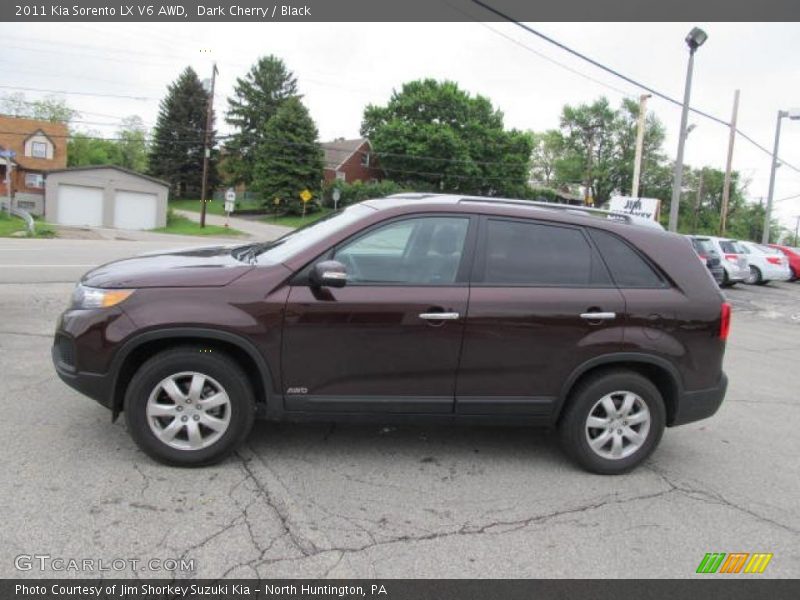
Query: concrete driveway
[[374, 501]]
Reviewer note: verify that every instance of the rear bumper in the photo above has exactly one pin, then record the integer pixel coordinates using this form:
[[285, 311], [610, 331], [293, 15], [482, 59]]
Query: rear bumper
[[701, 404], [735, 273], [777, 273]]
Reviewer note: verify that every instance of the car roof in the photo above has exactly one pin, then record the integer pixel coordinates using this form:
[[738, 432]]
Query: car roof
[[574, 214]]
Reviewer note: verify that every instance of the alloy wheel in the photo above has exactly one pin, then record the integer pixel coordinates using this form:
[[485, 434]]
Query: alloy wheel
[[617, 425], [188, 411]]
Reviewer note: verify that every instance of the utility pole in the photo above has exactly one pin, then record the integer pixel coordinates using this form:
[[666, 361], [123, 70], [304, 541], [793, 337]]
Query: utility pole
[[796, 227], [8, 183], [207, 146], [726, 186], [637, 161], [697, 202]]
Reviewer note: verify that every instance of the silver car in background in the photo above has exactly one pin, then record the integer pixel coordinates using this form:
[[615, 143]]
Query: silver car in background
[[733, 258], [766, 264]]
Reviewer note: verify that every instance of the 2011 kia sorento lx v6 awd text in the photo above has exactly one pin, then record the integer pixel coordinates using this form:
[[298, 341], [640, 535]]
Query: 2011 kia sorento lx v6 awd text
[[411, 307]]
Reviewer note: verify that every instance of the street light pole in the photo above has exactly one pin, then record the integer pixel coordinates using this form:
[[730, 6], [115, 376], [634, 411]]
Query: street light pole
[[694, 40]]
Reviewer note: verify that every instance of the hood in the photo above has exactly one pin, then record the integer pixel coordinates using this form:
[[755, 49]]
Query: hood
[[212, 266]]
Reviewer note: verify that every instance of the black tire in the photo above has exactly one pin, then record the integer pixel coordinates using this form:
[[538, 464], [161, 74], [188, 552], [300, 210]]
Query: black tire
[[726, 280], [755, 276], [222, 370], [584, 397]]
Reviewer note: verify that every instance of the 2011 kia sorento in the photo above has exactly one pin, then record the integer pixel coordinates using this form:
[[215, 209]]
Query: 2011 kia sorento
[[412, 307]]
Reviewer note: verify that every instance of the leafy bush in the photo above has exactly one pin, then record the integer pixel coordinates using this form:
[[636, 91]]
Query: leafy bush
[[350, 193]]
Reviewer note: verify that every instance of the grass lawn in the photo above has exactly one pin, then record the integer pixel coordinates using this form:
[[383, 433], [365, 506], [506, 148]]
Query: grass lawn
[[183, 226], [296, 221], [214, 207], [12, 224]]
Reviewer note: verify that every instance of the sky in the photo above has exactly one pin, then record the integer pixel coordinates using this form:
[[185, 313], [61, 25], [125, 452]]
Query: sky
[[342, 67]]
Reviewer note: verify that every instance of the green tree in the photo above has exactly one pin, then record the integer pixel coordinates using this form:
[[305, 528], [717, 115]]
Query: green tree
[[176, 154], [84, 149], [598, 146], [132, 144], [49, 108], [548, 148], [433, 135], [257, 98], [288, 158]]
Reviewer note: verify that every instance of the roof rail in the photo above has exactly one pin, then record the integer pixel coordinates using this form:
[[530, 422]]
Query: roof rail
[[586, 210]]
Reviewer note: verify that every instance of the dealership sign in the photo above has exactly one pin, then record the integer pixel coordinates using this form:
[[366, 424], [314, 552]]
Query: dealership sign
[[639, 207]]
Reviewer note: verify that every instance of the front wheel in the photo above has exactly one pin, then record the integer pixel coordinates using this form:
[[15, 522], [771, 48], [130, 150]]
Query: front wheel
[[189, 406], [613, 422]]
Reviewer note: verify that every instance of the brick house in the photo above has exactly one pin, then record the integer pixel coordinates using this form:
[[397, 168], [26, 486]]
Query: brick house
[[350, 160], [40, 146]]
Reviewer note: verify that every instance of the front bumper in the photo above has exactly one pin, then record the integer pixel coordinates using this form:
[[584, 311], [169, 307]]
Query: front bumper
[[97, 386], [693, 406]]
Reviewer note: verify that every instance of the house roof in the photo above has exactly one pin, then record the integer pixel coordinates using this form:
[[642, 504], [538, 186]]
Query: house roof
[[338, 151], [14, 132], [114, 167]]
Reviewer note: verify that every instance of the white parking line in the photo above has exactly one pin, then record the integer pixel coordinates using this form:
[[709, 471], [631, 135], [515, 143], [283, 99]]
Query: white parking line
[[42, 266]]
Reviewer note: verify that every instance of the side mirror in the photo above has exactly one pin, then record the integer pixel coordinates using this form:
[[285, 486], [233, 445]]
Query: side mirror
[[328, 273]]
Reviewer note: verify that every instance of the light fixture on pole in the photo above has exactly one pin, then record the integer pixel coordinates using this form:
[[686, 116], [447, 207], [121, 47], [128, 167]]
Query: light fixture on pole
[[794, 115], [696, 38]]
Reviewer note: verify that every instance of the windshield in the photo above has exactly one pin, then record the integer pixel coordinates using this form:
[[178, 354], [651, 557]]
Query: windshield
[[296, 241]]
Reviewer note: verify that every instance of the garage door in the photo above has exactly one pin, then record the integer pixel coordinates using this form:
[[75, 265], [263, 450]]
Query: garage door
[[79, 205], [135, 210]]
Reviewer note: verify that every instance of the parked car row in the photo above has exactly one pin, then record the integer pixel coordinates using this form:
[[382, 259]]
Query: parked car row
[[733, 261]]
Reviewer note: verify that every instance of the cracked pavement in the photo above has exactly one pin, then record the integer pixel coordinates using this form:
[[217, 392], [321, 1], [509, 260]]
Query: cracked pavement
[[317, 500]]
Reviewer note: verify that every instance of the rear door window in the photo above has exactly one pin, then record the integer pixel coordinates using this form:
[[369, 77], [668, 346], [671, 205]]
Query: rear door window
[[524, 253], [629, 269]]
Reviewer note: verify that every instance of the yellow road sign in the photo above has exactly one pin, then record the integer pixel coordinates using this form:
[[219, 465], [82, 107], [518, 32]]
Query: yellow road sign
[[305, 196]]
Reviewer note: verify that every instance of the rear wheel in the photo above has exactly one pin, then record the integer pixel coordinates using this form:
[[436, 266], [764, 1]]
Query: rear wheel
[[754, 278], [613, 422], [189, 407]]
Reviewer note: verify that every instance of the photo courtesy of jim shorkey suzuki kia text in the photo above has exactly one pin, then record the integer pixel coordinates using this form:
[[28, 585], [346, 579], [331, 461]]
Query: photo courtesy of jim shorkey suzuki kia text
[[194, 590], [346, 299]]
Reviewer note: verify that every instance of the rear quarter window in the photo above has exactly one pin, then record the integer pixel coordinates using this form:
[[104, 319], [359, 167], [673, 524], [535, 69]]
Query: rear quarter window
[[628, 268]]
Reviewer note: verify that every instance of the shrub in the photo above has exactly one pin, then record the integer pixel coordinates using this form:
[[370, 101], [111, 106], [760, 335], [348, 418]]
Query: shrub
[[359, 191]]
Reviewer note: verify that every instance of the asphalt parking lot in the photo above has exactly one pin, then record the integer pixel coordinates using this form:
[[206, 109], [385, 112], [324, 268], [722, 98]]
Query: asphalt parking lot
[[371, 501]]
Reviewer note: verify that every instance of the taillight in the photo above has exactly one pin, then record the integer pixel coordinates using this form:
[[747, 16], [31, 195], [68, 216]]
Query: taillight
[[732, 257], [725, 321], [773, 260]]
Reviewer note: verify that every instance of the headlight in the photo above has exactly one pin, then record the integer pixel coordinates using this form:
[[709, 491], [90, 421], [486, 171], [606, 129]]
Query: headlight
[[88, 297]]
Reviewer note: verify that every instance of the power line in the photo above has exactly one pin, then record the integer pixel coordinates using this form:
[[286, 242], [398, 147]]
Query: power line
[[616, 73], [67, 92]]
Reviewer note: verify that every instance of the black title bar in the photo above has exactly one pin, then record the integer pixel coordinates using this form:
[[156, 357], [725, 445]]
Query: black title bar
[[267, 11]]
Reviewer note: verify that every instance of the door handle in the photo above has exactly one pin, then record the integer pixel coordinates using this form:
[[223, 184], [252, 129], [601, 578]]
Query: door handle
[[440, 316], [599, 316]]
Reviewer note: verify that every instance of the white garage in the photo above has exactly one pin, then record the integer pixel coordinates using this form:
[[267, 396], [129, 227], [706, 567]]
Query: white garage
[[135, 210], [105, 196], [80, 205]]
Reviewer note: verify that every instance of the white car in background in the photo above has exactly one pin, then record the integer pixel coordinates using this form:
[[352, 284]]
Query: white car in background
[[733, 258], [766, 264]]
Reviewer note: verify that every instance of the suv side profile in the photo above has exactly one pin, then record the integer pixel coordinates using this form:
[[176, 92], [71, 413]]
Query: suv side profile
[[413, 307]]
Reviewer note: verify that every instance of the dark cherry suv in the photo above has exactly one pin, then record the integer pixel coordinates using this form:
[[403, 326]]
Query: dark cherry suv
[[417, 306]]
